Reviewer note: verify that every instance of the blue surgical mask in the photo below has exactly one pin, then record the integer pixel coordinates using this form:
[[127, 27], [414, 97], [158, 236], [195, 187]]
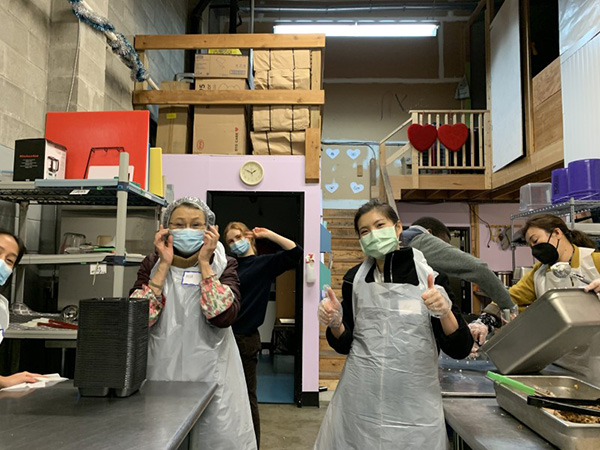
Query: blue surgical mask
[[5, 272], [240, 247], [187, 240]]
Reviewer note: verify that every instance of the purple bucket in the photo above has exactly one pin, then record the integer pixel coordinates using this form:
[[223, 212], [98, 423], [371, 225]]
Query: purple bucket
[[560, 186], [584, 179]]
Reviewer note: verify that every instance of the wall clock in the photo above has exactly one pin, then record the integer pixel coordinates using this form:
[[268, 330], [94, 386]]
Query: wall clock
[[252, 173]]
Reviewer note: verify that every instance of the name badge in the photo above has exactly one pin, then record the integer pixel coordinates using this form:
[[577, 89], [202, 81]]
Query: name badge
[[191, 279]]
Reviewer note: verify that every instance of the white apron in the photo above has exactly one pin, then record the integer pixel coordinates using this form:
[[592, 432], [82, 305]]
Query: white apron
[[184, 346], [4, 316], [584, 359], [389, 394]]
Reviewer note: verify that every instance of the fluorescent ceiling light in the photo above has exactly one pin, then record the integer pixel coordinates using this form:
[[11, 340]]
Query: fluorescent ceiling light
[[360, 30]]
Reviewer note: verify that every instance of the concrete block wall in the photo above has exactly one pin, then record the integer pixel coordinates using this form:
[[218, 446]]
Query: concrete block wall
[[24, 41], [133, 17], [39, 42]]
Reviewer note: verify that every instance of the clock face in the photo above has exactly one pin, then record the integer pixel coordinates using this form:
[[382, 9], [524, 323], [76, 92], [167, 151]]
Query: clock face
[[252, 173]]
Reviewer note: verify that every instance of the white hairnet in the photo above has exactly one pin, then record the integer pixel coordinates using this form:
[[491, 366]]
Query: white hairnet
[[192, 202]]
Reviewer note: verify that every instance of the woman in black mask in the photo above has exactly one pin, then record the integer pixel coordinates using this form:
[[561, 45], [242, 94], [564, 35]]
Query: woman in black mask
[[551, 242]]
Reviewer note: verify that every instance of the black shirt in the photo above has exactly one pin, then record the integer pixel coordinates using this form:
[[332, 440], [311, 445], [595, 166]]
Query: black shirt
[[456, 345], [256, 274]]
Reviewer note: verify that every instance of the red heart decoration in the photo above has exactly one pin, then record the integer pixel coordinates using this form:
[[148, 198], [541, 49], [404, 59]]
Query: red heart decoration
[[453, 136], [422, 137]]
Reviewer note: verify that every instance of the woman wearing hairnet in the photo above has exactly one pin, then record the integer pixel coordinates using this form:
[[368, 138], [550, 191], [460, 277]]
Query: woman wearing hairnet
[[393, 315], [193, 289]]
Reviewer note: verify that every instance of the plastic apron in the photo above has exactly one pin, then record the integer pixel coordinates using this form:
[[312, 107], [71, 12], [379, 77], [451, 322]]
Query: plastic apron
[[184, 346], [389, 394], [584, 359], [4, 316]]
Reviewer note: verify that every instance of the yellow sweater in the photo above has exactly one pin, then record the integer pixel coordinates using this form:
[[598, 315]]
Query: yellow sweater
[[523, 293]]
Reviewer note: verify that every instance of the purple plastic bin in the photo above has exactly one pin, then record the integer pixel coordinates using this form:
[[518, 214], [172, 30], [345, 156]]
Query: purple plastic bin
[[560, 186], [584, 179]]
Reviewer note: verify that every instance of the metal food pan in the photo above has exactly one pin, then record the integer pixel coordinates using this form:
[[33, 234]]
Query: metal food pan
[[553, 325], [565, 435]]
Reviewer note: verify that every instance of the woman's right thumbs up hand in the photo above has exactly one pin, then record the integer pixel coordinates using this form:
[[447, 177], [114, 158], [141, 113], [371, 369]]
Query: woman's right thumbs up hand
[[330, 309]]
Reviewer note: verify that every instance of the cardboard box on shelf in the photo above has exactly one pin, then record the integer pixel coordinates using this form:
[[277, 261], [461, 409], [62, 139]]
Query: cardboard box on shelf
[[219, 130], [283, 79], [220, 84], [221, 66], [39, 159], [281, 59], [278, 142], [174, 122], [280, 118]]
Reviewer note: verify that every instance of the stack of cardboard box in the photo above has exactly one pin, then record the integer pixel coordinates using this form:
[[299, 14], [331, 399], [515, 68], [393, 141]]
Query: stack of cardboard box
[[172, 133], [280, 130], [220, 129]]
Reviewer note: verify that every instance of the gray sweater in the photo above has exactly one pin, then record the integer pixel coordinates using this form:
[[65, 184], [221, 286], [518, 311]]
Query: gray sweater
[[452, 261]]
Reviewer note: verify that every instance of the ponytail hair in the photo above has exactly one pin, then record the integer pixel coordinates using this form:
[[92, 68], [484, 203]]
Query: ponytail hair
[[549, 223]]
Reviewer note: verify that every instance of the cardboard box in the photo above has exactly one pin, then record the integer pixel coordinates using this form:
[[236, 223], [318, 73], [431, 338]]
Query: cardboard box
[[220, 84], [278, 142], [219, 130], [39, 159], [174, 123], [281, 59], [221, 66], [280, 118], [283, 79]]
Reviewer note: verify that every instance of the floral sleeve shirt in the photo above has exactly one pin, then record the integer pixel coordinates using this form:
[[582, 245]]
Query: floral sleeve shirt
[[215, 298]]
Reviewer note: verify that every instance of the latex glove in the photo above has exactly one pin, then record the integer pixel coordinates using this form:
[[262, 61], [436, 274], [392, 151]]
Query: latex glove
[[330, 309], [479, 331], [436, 302], [593, 286]]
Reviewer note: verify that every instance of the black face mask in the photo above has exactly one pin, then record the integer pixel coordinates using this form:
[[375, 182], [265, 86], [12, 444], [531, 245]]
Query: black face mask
[[545, 252]]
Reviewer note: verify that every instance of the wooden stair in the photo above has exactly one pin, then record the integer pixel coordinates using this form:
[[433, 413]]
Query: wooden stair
[[346, 254]]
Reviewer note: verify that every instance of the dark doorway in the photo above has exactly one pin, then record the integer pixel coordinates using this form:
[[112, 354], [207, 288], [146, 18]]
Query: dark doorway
[[283, 213]]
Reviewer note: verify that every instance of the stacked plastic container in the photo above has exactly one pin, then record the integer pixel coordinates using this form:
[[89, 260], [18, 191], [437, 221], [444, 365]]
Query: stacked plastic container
[[580, 181], [560, 186], [534, 196], [584, 179]]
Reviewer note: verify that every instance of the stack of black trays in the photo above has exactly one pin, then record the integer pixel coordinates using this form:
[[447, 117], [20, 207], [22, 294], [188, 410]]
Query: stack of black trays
[[112, 346]]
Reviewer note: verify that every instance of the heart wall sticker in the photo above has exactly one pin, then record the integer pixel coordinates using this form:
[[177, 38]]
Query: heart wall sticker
[[332, 187], [356, 187], [332, 152], [453, 137], [421, 137], [353, 153]]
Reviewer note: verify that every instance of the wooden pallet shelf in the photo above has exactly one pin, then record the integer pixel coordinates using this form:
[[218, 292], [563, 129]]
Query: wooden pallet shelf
[[315, 97], [241, 41], [253, 97]]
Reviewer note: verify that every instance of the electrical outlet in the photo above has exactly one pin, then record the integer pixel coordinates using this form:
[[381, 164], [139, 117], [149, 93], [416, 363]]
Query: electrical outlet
[[97, 269]]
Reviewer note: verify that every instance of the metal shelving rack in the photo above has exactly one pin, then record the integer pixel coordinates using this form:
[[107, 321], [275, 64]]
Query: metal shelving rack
[[570, 208], [117, 192]]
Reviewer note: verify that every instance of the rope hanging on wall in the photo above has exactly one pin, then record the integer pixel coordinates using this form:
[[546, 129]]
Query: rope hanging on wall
[[117, 41]]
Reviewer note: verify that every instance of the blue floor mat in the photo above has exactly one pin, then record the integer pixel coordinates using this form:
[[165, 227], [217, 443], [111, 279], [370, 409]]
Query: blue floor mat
[[275, 379]]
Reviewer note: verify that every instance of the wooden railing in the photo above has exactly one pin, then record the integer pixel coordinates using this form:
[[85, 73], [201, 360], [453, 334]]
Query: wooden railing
[[439, 167], [471, 156]]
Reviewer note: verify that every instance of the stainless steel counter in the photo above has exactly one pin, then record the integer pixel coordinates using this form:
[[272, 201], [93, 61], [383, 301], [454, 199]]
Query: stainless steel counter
[[158, 417], [483, 425], [465, 378], [471, 409]]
